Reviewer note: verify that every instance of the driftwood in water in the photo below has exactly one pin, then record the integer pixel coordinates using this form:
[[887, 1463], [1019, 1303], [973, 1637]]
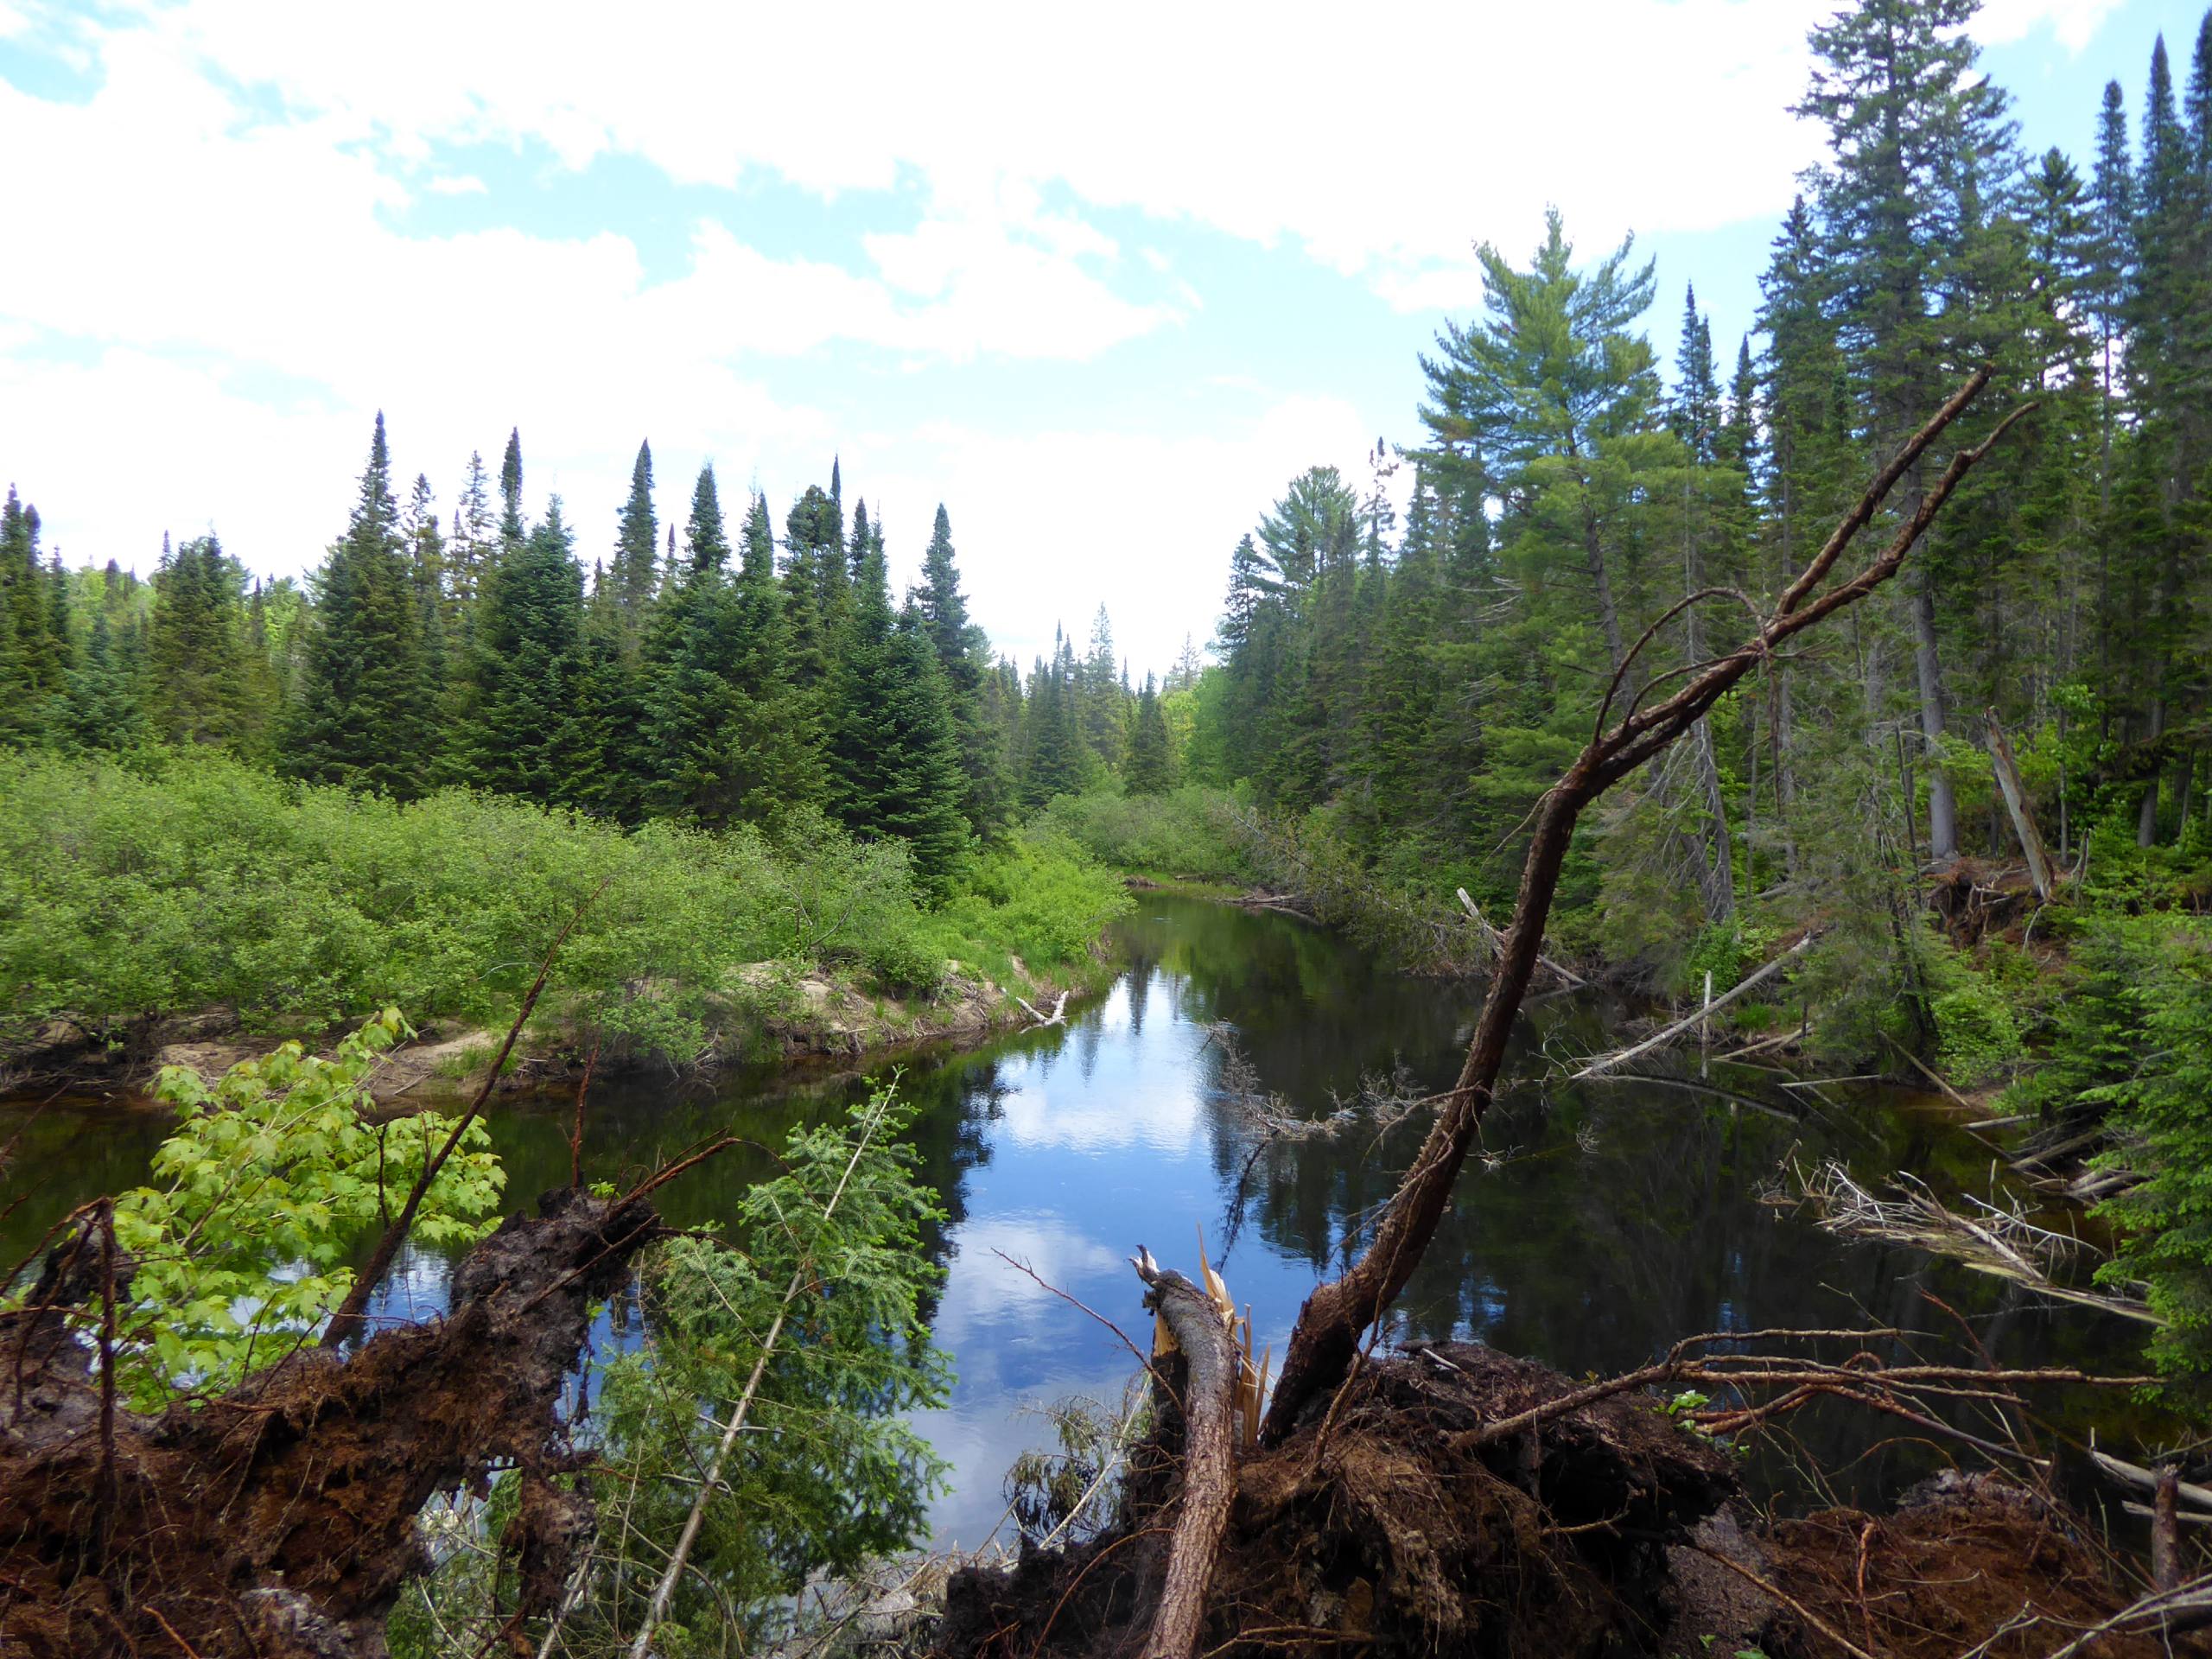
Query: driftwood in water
[[2024, 818], [1039, 1021], [1751, 982], [278, 1520], [1329, 1326]]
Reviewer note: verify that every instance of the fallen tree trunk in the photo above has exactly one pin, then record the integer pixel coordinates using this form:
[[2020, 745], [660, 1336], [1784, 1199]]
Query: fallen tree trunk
[[1605, 1063], [1209, 1445], [278, 1520], [1327, 1333]]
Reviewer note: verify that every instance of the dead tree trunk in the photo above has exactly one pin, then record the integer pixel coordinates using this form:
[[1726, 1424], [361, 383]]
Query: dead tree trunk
[[1928, 664], [1209, 1446], [2023, 819], [1329, 1326]]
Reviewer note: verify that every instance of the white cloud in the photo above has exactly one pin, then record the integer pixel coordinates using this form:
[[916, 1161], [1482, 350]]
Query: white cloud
[[1378, 160], [2074, 23], [225, 289]]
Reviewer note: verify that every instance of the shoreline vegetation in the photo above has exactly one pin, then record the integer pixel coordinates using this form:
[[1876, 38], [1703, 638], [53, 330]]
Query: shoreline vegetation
[[187, 908]]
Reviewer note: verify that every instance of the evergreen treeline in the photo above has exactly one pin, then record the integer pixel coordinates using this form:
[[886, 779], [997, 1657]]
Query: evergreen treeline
[[1417, 685], [718, 675]]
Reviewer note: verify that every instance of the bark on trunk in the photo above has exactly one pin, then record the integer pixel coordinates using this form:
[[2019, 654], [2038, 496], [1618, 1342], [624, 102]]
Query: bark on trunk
[[1942, 805], [1209, 1386], [2147, 817]]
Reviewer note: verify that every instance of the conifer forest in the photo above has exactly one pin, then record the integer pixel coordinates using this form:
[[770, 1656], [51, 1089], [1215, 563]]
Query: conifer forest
[[585, 1087]]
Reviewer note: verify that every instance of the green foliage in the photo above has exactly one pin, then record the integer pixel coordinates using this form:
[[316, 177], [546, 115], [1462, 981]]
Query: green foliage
[[1036, 897], [1977, 1033], [2130, 1043], [1185, 832], [259, 1200], [188, 880], [829, 1473]]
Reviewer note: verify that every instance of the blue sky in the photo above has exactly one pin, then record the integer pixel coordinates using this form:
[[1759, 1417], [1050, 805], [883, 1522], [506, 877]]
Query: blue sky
[[1100, 282]]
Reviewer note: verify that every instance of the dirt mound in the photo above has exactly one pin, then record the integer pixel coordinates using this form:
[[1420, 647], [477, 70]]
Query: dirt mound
[[1403, 1520], [1966, 1560], [279, 1520], [1423, 1513]]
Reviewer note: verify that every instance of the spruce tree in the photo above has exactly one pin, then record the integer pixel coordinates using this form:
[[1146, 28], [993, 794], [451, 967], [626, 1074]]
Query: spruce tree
[[199, 678], [100, 710], [690, 702], [1149, 768], [636, 578], [608, 777], [470, 545], [511, 529], [34, 643], [894, 757], [359, 716], [961, 652], [1912, 129], [519, 734]]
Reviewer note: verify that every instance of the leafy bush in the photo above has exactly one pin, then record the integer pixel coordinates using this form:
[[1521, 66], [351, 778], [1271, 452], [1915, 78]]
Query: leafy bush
[[1182, 833], [1977, 1036], [190, 880], [260, 1199]]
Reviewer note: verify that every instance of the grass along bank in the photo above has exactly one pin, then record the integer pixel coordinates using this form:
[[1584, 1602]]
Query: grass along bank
[[185, 894]]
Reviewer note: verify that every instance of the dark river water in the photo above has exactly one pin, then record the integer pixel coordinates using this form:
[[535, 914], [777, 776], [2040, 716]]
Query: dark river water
[[1615, 1218]]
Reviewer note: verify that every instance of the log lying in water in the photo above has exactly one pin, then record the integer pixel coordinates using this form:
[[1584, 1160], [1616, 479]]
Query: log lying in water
[[1751, 982], [278, 1520]]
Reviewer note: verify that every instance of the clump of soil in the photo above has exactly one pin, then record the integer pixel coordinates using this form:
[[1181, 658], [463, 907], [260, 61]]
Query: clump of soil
[[1393, 1522], [278, 1520], [1966, 1560]]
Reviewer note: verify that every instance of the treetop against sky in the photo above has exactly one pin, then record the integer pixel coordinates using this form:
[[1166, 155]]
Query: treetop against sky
[[1100, 284]]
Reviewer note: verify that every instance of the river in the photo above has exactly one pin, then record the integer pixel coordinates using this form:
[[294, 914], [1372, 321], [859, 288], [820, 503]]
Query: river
[[1606, 1220]]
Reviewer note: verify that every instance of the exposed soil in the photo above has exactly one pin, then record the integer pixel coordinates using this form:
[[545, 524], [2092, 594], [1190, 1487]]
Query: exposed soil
[[278, 1520], [798, 1016], [1390, 1523]]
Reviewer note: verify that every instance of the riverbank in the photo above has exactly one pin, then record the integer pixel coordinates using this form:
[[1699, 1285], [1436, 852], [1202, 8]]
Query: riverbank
[[776, 1012], [188, 909]]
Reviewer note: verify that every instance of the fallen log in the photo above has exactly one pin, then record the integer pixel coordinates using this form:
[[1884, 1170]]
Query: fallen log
[[1058, 1017], [277, 1521], [1606, 1062], [1209, 1375]]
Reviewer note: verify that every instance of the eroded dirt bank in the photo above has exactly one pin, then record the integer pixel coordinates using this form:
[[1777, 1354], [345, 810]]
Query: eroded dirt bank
[[768, 1011]]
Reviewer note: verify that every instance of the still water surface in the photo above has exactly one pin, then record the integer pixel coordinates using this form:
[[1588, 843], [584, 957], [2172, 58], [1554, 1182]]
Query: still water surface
[[1609, 1219]]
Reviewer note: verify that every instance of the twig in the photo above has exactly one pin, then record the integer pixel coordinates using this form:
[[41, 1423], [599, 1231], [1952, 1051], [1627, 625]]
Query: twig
[[348, 1319]]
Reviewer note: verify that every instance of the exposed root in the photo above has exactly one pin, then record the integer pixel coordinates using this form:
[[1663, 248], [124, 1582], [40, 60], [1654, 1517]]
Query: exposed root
[[278, 1520]]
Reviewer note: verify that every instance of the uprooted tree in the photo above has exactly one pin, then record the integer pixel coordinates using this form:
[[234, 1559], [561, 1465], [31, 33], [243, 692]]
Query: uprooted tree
[[1334, 1318]]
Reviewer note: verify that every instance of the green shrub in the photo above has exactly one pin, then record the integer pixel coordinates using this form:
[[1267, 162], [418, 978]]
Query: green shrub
[[1182, 833], [190, 880]]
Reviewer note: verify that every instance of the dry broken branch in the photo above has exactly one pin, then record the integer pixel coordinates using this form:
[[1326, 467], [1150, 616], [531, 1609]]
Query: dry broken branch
[[1209, 1421], [1329, 1326], [1751, 982]]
